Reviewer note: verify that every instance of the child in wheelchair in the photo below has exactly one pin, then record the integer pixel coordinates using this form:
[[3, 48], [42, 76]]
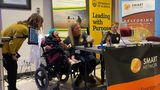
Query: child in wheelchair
[[57, 51], [56, 61], [53, 41]]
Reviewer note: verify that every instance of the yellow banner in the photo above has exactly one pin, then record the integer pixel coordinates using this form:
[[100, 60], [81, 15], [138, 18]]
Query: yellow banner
[[99, 18]]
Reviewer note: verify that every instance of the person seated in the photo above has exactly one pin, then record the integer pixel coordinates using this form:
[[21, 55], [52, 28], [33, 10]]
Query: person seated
[[54, 41], [114, 36], [75, 38], [55, 44]]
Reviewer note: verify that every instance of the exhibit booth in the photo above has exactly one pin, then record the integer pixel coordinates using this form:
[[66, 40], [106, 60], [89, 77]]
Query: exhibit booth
[[125, 66]]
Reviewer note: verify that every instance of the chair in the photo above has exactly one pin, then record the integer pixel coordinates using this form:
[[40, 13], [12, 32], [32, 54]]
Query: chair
[[153, 38]]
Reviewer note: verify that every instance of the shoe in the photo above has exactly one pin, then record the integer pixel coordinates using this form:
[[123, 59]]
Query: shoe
[[76, 82], [92, 80], [89, 79], [76, 61], [91, 76]]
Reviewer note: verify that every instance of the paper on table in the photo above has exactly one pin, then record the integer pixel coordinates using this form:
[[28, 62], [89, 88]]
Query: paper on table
[[89, 38]]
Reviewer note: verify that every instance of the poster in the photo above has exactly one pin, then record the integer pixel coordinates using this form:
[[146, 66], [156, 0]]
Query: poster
[[99, 18], [66, 12], [140, 15]]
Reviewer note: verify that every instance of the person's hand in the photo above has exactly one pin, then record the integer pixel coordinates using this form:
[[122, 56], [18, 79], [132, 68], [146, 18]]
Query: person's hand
[[62, 44], [65, 45], [47, 48], [14, 57], [69, 45], [92, 40], [108, 43]]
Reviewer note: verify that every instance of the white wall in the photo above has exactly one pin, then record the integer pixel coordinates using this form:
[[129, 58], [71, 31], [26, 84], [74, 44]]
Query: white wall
[[9, 16], [47, 9]]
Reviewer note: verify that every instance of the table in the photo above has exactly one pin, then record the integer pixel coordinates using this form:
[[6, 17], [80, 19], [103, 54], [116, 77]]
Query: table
[[133, 68], [99, 51]]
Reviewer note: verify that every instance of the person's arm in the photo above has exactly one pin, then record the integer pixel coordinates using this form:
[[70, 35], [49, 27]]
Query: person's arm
[[67, 41], [13, 48], [107, 38], [85, 37], [47, 47]]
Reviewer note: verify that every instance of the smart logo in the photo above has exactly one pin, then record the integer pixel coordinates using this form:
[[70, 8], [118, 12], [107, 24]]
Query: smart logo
[[135, 65], [127, 6], [94, 3]]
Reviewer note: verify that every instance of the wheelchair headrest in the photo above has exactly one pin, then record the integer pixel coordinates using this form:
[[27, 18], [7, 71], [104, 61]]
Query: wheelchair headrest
[[42, 43]]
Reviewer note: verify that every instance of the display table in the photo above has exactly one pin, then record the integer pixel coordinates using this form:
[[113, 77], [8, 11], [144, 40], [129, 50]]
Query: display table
[[133, 68]]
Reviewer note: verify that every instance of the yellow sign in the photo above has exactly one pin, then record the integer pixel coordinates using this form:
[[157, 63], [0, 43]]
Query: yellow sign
[[99, 18]]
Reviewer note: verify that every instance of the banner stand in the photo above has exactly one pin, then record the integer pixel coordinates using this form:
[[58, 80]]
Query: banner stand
[[1, 65]]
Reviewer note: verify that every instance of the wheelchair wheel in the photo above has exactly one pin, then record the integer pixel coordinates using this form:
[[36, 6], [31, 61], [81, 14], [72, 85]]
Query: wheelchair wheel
[[41, 78], [63, 77]]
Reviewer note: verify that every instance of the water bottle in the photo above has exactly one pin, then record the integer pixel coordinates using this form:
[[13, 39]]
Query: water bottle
[[144, 38]]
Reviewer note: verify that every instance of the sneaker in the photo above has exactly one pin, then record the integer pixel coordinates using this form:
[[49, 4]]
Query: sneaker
[[76, 61]]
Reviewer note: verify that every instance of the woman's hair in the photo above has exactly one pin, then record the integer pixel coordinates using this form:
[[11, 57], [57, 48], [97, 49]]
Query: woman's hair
[[70, 32], [115, 23], [33, 20]]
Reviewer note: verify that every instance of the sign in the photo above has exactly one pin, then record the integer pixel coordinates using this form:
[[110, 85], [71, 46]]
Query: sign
[[66, 12], [99, 18], [140, 15], [133, 68]]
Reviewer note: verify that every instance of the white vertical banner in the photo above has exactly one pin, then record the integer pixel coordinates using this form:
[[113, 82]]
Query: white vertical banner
[[140, 15]]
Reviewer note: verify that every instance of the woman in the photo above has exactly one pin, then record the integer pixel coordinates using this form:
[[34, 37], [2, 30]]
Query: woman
[[114, 36], [75, 38], [10, 49]]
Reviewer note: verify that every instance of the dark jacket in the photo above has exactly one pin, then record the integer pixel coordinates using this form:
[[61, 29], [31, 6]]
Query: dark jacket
[[52, 41], [115, 38]]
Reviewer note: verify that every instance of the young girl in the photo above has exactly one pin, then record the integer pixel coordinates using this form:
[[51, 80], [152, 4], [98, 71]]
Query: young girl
[[54, 41]]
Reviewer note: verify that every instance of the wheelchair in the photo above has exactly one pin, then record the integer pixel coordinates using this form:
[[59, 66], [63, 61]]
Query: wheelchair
[[57, 65]]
